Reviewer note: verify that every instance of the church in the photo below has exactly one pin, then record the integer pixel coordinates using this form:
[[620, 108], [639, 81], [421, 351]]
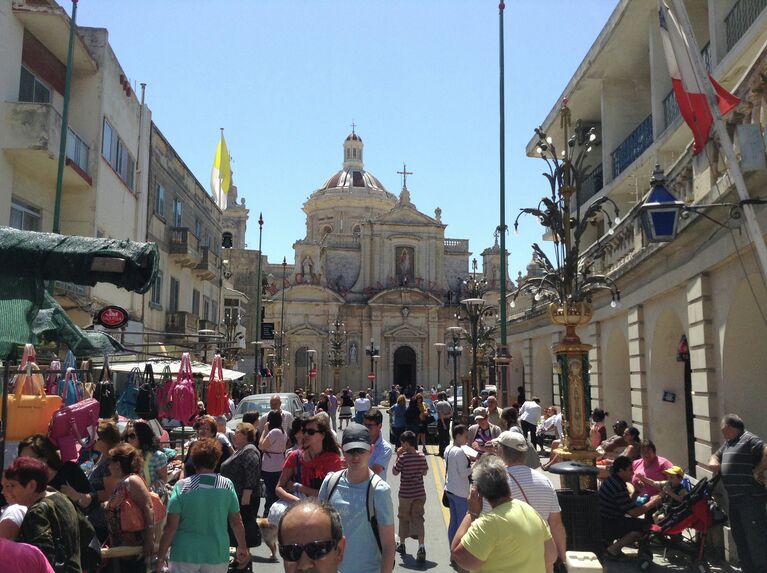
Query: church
[[372, 261]]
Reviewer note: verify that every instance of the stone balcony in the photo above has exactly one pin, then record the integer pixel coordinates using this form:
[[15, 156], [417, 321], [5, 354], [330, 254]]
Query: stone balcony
[[183, 247], [208, 267], [32, 142]]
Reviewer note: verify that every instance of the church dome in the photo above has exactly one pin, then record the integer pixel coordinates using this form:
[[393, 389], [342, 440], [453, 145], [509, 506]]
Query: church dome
[[352, 178]]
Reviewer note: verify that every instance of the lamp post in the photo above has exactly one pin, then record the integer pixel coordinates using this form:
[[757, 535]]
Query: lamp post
[[454, 351], [258, 344], [375, 380], [568, 283], [440, 346], [372, 351], [281, 344], [259, 289], [311, 373]]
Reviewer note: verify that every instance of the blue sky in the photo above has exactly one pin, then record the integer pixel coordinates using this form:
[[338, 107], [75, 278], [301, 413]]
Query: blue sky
[[419, 78]]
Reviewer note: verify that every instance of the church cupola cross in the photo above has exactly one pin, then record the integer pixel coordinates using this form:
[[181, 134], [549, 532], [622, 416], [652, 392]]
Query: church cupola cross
[[404, 174]]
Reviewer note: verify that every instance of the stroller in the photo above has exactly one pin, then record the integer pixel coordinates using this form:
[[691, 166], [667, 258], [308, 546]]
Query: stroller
[[686, 526]]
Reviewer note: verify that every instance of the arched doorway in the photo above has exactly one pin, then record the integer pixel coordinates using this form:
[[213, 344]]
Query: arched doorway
[[404, 369]]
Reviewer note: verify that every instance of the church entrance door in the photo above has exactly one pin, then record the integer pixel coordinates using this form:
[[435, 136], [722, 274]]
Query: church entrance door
[[404, 369]]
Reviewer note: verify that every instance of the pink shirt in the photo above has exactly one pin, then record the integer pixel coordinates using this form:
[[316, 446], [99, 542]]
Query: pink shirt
[[654, 471], [23, 558]]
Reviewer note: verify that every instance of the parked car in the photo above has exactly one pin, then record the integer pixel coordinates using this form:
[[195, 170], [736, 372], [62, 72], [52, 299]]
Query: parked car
[[260, 402]]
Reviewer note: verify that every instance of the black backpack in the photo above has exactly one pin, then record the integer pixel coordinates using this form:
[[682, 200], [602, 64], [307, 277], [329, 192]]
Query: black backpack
[[104, 392], [146, 401]]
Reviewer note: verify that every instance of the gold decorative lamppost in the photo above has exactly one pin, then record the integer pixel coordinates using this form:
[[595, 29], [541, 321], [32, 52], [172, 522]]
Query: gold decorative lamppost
[[567, 283], [336, 357]]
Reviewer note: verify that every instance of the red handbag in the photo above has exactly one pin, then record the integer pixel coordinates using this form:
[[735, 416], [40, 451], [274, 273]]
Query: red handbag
[[74, 424], [218, 401]]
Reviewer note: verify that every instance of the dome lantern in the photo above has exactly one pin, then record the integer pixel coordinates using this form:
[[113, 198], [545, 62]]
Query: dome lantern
[[353, 151]]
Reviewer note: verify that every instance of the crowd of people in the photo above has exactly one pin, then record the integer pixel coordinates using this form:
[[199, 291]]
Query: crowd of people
[[328, 505]]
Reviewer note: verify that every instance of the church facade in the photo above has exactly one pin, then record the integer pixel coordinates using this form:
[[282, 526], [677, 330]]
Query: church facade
[[374, 262]]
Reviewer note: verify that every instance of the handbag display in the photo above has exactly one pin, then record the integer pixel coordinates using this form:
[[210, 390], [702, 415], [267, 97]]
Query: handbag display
[[132, 515], [86, 367], [53, 378], [218, 401], [30, 413], [74, 423]]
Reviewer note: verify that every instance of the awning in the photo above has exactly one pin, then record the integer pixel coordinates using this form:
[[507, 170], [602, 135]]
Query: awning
[[30, 314], [159, 365]]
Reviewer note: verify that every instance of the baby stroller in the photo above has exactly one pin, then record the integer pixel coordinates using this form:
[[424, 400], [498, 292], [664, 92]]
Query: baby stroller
[[686, 526]]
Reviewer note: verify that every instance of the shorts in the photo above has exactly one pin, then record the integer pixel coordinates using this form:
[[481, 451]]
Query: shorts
[[617, 527], [181, 567], [410, 514]]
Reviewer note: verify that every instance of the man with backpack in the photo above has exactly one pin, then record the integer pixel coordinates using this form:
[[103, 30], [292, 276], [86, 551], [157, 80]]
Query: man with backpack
[[369, 533]]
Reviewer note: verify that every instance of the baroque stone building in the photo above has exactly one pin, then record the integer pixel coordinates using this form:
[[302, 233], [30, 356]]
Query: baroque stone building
[[373, 261]]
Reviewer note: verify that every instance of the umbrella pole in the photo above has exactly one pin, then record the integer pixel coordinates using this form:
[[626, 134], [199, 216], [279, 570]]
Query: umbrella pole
[[4, 411]]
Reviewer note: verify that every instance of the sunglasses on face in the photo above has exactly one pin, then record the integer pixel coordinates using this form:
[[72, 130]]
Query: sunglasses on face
[[314, 550], [311, 431]]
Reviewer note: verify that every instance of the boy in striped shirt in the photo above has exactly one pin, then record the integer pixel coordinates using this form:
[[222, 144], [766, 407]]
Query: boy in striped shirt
[[411, 466]]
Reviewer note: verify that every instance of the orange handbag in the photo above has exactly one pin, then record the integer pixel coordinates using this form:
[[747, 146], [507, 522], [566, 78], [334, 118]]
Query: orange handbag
[[30, 413], [132, 515]]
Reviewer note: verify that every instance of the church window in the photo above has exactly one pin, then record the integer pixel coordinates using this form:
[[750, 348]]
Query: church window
[[347, 154], [354, 153]]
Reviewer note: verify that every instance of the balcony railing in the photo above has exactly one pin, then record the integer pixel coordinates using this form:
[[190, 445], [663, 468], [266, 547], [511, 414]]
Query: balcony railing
[[456, 245], [743, 14], [77, 150], [633, 146], [670, 109], [592, 184], [705, 53], [180, 322]]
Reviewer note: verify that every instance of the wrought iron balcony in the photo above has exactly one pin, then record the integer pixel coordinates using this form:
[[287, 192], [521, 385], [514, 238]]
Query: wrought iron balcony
[[739, 19], [633, 146], [670, 109]]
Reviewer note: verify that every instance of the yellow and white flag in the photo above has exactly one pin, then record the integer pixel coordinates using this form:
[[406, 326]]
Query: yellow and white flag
[[221, 174]]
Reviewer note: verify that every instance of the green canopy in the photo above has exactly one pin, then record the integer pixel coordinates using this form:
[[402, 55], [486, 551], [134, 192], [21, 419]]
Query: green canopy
[[30, 314]]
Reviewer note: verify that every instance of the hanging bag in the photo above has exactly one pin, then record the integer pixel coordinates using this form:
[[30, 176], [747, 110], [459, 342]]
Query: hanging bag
[[126, 405], [74, 423], [162, 393], [71, 389], [183, 398], [218, 401], [28, 357], [146, 402], [104, 391], [30, 413], [53, 378], [86, 368]]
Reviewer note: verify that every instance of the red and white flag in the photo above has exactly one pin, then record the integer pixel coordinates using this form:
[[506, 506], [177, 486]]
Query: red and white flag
[[690, 94]]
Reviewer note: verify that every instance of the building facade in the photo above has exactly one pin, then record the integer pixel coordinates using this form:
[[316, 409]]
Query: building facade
[[373, 261], [704, 286], [105, 179]]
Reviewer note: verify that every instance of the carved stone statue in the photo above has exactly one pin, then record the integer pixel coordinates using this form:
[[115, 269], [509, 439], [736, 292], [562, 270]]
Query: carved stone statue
[[307, 267]]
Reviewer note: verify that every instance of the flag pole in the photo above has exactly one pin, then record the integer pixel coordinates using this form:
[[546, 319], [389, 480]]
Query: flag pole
[[724, 139]]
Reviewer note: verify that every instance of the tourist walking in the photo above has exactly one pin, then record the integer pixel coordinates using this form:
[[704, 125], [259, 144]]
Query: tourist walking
[[398, 419], [345, 409], [361, 405], [529, 414], [411, 465], [272, 446], [370, 542], [457, 474], [244, 469], [444, 416]]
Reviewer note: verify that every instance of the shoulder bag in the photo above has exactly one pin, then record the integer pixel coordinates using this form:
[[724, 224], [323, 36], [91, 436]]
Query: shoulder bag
[[74, 423], [217, 399], [30, 413]]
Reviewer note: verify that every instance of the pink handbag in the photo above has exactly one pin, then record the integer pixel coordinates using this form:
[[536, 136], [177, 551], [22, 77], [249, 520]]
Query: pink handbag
[[183, 396], [74, 424]]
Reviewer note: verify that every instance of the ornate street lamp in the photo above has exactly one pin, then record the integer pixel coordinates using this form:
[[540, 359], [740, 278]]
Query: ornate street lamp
[[660, 212], [373, 352], [454, 351], [474, 309], [440, 346], [567, 284], [280, 342], [336, 358], [311, 372]]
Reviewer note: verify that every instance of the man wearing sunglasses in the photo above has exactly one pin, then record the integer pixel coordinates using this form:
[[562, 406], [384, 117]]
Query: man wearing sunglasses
[[310, 538]]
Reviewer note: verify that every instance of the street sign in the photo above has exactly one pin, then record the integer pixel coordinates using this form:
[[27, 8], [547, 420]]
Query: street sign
[[267, 331], [313, 373], [371, 376]]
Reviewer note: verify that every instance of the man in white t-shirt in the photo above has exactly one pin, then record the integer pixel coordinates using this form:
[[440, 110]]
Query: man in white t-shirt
[[275, 403], [531, 486], [361, 405], [529, 414]]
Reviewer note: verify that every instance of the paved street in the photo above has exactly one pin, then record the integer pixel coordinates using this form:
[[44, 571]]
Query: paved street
[[437, 517]]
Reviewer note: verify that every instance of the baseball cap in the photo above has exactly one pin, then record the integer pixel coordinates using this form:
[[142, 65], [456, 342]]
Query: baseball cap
[[674, 471], [480, 413], [356, 436], [512, 440]]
